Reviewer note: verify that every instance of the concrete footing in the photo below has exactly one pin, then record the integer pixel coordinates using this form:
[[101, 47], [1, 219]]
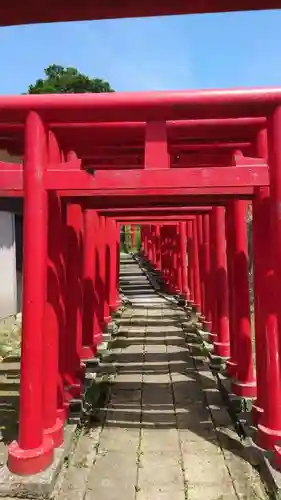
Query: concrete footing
[[38, 485]]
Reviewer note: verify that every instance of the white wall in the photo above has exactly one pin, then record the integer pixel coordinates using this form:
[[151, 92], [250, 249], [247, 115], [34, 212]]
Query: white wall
[[8, 278]]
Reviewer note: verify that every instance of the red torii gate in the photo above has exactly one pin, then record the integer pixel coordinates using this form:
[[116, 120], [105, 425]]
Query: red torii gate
[[49, 181], [198, 230]]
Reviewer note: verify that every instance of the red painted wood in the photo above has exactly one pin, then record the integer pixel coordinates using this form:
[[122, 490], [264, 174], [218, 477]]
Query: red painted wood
[[15, 12], [123, 106], [198, 178], [156, 146]]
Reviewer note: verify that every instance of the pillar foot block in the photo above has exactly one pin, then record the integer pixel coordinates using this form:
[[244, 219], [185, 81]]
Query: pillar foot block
[[231, 368], [257, 413], [87, 352], [63, 412], [73, 391], [268, 438], [40, 485], [27, 462], [244, 390], [277, 455], [81, 370], [106, 320], [213, 337], [207, 326], [56, 433], [222, 349], [113, 308]]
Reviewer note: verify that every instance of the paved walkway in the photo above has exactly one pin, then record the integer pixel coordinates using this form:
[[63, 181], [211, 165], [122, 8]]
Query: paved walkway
[[158, 441]]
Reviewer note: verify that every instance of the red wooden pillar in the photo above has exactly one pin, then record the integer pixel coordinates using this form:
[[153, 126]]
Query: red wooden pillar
[[133, 237], [267, 409], [232, 362], [117, 243], [244, 384], [168, 257], [221, 343], [169, 260], [34, 450], [113, 291], [108, 267], [98, 284], [190, 262], [74, 306], [88, 329], [183, 253], [74, 297], [63, 340], [179, 268], [145, 241], [199, 222], [54, 410], [150, 244], [261, 271], [174, 259], [104, 269], [163, 252], [158, 247], [145, 229], [153, 245], [207, 270], [141, 239], [196, 268], [97, 307], [270, 420], [213, 333]]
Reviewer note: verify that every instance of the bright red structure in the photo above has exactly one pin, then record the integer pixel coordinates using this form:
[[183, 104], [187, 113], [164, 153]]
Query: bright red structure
[[183, 166], [184, 170], [15, 12]]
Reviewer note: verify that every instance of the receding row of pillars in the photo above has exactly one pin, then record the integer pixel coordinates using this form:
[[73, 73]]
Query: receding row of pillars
[[81, 292], [70, 289], [205, 260], [70, 286]]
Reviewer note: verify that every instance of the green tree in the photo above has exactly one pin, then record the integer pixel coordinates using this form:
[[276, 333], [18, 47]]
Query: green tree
[[61, 80]]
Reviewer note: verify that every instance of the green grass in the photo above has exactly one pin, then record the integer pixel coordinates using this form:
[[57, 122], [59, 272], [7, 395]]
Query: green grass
[[10, 339]]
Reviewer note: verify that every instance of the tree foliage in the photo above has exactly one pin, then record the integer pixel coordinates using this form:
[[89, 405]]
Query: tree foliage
[[59, 80]]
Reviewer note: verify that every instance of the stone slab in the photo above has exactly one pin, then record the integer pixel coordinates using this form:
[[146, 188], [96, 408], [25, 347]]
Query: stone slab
[[174, 452], [161, 469], [114, 477]]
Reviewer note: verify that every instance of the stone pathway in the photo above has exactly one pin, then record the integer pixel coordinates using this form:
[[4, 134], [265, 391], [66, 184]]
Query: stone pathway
[[159, 440]]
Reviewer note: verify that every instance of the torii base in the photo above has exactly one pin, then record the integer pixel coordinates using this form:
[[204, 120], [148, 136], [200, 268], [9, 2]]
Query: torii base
[[26, 462], [40, 485]]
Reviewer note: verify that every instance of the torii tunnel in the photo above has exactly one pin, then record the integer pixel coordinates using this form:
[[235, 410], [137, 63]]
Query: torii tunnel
[[185, 167]]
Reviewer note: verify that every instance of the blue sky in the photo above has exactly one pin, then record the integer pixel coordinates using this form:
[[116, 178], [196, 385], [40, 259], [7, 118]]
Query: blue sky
[[178, 52]]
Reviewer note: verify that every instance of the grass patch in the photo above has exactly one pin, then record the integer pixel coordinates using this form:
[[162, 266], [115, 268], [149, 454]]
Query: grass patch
[[10, 339]]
